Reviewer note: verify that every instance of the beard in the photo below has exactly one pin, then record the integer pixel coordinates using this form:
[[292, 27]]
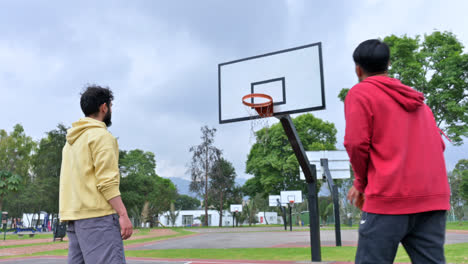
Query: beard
[[108, 119]]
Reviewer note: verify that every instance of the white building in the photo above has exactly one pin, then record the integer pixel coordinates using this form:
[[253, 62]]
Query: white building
[[194, 218]]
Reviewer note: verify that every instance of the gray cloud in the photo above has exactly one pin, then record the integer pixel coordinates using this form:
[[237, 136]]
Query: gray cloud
[[160, 58]]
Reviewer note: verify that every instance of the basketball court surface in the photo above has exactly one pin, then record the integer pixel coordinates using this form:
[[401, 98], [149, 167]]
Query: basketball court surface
[[63, 260], [254, 237]]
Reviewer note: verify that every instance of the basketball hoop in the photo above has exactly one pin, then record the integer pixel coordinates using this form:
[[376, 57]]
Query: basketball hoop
[[264, 109], [237, 211]]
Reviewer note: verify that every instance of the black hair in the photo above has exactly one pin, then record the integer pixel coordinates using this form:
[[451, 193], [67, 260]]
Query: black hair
[[93, 97], [373, 56]]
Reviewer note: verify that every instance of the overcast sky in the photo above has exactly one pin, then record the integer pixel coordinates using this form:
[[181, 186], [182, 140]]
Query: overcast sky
[[160, 58]]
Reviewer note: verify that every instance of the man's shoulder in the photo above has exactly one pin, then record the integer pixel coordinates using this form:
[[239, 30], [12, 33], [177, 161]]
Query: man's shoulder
[[99, 132], [101, 137]]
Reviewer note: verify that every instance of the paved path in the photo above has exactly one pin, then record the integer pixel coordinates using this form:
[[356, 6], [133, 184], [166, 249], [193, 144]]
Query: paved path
[[272, 239]]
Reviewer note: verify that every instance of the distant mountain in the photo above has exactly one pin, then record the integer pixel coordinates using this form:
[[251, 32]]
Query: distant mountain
[[183, 185]]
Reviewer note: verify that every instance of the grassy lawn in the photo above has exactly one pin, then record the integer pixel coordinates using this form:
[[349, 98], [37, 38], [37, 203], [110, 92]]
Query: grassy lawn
[[454, 253], [33, 244], [458, 225], [26, 236], [180, 232]]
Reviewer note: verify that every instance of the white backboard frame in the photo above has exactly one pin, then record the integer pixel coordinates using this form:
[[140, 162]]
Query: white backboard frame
[[293, 77], [338, 163], [235, 207], [285, 196], [272, 200]]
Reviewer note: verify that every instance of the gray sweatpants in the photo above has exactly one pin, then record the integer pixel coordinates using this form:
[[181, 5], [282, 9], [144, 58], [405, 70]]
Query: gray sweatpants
[[422, 236], [95, 241]]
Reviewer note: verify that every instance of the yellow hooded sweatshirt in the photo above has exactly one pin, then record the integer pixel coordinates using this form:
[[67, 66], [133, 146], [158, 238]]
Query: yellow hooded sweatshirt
[[89, 176]]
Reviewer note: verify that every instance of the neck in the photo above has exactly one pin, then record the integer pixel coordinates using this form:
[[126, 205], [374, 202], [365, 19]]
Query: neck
[[365, 76], [96, 117]]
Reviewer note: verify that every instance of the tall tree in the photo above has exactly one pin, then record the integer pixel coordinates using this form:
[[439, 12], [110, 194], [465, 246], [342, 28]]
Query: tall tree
[[185, 202], [145, 193], [458, 179], [15, 160], [222, 180], [436, 66], [161, 198], [272, 161], [461, 169], [204, 156], [262, 204], [46, 164]]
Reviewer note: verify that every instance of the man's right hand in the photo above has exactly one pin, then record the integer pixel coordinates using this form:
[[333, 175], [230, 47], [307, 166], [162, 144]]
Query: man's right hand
[[126, 228], [355, 197]]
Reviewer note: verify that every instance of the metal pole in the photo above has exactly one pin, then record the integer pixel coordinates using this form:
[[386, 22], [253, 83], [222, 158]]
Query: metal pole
[[290, 218], [283, 215], [314, 221], [233, 216], [310, 174], [336, 204], [285, 218]]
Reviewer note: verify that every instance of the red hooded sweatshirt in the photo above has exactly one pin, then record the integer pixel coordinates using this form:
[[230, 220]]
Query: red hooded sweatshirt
[[395, 148]]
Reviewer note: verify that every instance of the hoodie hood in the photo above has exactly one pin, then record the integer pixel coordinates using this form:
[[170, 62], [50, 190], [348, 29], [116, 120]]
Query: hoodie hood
[[81, 126], [407, 97]]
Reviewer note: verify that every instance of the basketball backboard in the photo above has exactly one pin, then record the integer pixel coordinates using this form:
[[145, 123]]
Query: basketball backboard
[[291, 196], [292, 77], [338, 163], [236, 208], [273, 200]]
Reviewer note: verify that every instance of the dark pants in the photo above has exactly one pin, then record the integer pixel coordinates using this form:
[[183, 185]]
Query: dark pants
[[95, 240], [422, 235]]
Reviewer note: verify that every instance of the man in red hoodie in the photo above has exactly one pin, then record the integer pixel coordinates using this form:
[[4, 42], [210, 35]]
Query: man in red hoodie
[[396, 152]]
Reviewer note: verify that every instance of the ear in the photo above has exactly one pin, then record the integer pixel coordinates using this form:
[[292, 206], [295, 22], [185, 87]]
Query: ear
[[359, 71], [103, 108]]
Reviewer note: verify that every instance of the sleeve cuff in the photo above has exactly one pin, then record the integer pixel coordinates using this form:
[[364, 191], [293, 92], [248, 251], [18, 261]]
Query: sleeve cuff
[[359, 186], [111, 192]]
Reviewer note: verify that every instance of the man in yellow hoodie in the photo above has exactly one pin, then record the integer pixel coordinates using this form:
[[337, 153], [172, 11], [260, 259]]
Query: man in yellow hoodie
[[89, 185]]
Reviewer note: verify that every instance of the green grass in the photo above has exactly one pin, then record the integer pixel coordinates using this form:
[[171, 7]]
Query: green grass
[[127, 242], [457, 225], [33, 244], [26, 236], [454, 253]]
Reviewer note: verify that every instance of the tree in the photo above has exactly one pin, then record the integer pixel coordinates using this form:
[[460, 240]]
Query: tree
[[172, 215], [185, 202], [15, 156], [325, 208], [272, 161], [145, 194], [262, 205], [222, 180], [204, 157], [437, 67], [461, 169], [249, 211], [252, 187], [9, 182], [161, 198], [458, 180], [46, 164], [137, 162]]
